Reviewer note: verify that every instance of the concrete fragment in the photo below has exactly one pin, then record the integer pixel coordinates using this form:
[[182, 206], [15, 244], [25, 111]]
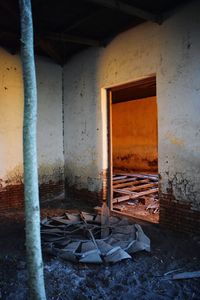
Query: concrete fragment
[[116, 254], [91, 257], [79, 239]]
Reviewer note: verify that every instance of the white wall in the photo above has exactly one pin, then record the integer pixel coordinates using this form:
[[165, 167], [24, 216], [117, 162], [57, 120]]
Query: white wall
[[171, 51], [50, 124], [50, 133], [11, 116], [82, 130]]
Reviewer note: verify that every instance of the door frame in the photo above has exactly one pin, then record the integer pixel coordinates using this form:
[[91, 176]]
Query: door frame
[[106, 95]]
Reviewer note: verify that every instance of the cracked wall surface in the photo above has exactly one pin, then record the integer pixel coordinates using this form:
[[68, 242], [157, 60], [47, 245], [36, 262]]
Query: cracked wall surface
[[171, 51]]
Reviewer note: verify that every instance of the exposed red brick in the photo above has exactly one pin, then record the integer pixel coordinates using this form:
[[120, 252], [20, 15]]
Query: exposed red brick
[[85, 196], [178, 215], [50, 189], [88, 197], [12, 196]]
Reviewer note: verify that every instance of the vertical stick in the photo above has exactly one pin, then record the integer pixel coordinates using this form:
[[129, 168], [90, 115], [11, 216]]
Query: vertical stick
[[110, 151], [32, 209], [105, 220]]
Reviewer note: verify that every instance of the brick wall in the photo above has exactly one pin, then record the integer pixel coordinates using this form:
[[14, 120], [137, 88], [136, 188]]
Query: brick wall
[[51, 189], [178, 215], [89, 198], [174, 214], [12, 196], [84, 196]]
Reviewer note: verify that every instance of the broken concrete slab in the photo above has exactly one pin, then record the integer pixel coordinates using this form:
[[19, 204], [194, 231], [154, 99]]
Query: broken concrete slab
[[79, 240], [91, 256]]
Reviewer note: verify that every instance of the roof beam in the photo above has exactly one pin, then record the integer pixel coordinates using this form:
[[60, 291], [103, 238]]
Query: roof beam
[[80, 21], [45, 45], [49, 50], [62, 37], [128, 9]]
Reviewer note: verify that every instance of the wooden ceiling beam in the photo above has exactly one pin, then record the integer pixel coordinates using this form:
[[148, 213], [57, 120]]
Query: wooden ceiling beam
[[78, 22], [41, 43], [81, 20], [129, 10], [62, 37], [49, 49]]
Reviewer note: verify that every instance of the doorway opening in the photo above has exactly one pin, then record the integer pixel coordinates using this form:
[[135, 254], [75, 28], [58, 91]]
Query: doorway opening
[[133, 145]]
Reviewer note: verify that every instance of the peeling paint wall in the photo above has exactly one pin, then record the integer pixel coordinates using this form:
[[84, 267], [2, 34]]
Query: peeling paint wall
[[50, 126], [134, 135], [171, 51], [50, 135], [82, 124], [11, 114]]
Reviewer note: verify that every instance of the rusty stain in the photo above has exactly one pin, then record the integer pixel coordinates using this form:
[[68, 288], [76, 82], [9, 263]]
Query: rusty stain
[[174, 140], [135, 162]]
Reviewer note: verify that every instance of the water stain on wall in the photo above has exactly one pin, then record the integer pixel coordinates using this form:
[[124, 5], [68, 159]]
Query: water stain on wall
[[51, 184], [46, 172], [52, 171], [14, 176], [174, 140], [182, 189]]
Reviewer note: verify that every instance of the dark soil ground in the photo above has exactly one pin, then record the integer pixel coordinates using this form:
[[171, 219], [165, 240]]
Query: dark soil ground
[[141, 277]]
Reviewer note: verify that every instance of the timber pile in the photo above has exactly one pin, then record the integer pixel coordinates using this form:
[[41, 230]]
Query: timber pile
[[133, 188], [77, 237]]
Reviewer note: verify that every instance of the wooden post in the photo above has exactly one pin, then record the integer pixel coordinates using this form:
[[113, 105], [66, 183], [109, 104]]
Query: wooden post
[[32, 209]]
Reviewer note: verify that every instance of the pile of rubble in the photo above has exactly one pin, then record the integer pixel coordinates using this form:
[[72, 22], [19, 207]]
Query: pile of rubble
[[82, 237]]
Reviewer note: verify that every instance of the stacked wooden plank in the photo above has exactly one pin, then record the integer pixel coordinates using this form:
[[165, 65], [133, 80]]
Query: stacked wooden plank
[[133, 186]]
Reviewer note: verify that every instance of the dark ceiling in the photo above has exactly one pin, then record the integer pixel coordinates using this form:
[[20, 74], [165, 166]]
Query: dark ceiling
[[65, 27]]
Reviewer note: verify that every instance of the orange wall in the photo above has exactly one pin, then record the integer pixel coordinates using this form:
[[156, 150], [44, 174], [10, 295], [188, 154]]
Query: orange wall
[[134, 134]]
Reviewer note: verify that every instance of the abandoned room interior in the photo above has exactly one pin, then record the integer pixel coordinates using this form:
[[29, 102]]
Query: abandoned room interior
[[134, 144], [118, 126]]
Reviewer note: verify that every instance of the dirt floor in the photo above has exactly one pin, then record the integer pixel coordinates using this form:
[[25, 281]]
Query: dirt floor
[[141, 277]]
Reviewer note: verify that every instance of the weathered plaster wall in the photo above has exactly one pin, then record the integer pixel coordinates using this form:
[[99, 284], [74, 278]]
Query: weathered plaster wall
[[134, 135], [50, 137], [50, 128], [82, 124], [50, 125], [11, 112], [171, 51]]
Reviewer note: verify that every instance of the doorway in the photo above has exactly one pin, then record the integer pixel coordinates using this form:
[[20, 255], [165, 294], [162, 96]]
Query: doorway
[[133, 145]]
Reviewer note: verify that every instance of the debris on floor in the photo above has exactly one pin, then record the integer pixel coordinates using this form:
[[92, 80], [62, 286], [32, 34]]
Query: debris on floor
[[136, 195], [153, 207], [183, 275], [142, 277], [78, 238]]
